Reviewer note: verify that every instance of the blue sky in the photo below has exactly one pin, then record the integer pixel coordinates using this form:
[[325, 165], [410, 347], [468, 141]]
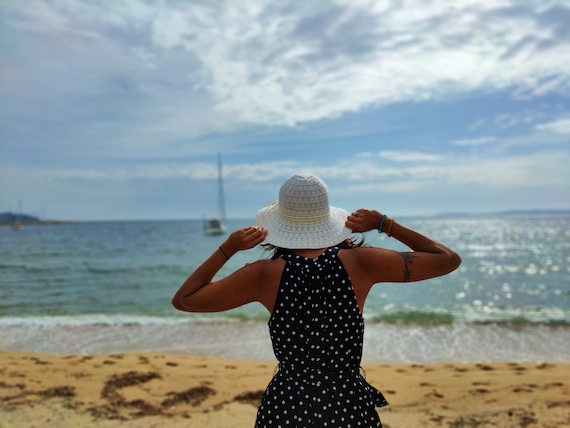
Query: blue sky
[[117, 109]]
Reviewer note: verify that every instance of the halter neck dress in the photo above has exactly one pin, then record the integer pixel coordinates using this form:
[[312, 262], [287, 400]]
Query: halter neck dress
[[317, 333]]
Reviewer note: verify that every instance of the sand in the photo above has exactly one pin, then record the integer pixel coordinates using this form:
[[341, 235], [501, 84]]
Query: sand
[[168, 390]]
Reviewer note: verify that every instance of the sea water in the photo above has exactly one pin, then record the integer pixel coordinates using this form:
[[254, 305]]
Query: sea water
[[105, 287]]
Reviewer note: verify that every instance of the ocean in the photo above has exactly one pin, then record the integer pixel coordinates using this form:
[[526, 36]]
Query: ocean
[[105, 287]]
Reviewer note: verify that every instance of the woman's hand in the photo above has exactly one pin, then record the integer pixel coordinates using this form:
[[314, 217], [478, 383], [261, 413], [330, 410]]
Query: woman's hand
[[363, 220], [244, 239]]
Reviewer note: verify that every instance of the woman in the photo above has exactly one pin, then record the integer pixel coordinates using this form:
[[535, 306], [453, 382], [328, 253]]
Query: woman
[[315, 287]]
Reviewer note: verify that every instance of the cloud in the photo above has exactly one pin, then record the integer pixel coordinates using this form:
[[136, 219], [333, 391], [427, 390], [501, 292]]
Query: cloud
[[474, 141], [558, 126], [287, 64], [525, 117], [408, 156], [536, 169]]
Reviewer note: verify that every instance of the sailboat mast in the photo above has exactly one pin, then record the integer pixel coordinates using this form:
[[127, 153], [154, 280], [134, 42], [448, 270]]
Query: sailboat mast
[[221, 203]]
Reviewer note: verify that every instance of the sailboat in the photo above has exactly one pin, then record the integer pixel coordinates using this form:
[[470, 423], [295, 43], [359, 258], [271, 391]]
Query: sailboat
[[217, 226]]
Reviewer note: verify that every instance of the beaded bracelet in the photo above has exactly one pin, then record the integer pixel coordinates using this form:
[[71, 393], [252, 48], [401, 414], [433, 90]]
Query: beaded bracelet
[[381, 223]]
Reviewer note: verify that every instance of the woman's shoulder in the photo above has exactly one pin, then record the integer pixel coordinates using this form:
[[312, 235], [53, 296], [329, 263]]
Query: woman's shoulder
[[266, 266], [357, 251], [361, 254]]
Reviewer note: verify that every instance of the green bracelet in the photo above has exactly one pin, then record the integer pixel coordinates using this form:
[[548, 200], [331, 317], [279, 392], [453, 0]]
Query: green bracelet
[[381, 223]]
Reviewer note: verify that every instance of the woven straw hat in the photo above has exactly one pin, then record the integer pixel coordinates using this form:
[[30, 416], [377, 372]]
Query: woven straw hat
[[303, 218]]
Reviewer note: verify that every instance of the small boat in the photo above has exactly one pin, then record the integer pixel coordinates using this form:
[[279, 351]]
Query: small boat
[[214, 227], [217, 226], [17, 225]]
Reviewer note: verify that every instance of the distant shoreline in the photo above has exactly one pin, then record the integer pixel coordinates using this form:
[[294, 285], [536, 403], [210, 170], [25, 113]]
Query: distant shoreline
[[10, 219], [19, 220], [35, 223]]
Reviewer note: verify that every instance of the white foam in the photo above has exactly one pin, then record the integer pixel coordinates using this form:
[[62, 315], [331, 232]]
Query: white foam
[[106, 320], [384, 343], [465, 343]]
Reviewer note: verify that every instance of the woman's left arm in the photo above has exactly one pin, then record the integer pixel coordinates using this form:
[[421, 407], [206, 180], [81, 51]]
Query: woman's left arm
[[200, 294]]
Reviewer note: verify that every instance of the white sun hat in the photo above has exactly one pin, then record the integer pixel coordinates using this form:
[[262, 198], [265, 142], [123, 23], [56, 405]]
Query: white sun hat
[[303, 218]]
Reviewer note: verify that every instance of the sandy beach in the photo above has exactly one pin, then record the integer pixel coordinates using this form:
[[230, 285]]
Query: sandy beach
[[156, 390]]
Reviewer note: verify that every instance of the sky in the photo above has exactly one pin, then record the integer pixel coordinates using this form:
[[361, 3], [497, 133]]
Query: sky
[[116, 109]]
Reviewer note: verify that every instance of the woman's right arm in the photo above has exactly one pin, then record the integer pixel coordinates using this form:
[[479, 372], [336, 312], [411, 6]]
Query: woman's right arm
[[200, 293], [428, 258]]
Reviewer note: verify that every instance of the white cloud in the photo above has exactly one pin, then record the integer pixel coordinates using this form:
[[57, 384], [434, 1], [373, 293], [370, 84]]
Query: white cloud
[[285, 65], [408, 156], [474, 141], [558, 126], [525, 117], [536, 169]]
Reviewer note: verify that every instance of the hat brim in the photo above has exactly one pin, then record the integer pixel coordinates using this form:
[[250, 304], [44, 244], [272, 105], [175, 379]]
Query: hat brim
[[286, 234]]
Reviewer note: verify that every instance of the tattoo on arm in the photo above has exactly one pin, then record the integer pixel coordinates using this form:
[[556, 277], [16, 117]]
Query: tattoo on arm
[[408, 258]]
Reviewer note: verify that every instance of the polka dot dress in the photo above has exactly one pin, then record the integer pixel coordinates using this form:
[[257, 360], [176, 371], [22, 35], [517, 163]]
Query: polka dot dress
[[317, 332]]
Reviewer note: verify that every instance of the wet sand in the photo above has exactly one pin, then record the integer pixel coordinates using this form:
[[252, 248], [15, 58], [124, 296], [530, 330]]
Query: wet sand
[[157, 390]]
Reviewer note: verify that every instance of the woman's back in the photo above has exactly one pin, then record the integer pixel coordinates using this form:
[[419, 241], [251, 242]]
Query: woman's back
[[317, 332], [316, 320]]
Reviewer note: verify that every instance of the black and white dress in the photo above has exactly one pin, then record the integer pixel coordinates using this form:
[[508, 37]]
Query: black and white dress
[[317, 333]]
